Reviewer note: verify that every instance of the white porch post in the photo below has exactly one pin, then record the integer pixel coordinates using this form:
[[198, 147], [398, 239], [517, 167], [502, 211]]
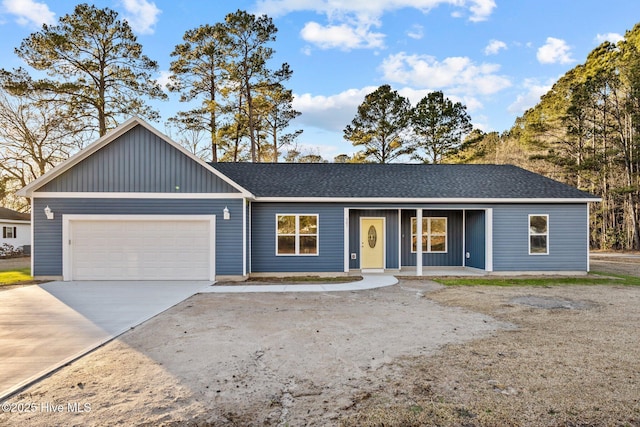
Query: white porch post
[[488, 249], [346, 240], [419, 242], [400, 239], [464, 237]]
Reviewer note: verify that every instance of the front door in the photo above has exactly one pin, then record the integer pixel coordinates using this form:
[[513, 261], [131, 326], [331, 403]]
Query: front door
[[372, 243]]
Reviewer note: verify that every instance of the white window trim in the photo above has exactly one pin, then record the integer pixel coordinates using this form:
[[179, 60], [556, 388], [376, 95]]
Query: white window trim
[[298, 235], [530, 234], [427, 232]]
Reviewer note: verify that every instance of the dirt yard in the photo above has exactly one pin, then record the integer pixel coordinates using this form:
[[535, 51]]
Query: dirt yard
[[413, 354]]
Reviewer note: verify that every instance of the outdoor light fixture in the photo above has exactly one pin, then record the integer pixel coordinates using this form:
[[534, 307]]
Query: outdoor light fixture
[[225, 213], [48, 212]]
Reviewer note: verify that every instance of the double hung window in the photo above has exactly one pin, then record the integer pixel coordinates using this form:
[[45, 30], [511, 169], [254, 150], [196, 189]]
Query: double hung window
[[434, 235], [297, 234], [538, 234]]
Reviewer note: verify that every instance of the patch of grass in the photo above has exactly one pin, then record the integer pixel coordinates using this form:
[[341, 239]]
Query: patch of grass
[[592, 279], [10, 277]]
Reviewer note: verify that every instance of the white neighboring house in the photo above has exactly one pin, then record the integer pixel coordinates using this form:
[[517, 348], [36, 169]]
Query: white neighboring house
[[15, 228]]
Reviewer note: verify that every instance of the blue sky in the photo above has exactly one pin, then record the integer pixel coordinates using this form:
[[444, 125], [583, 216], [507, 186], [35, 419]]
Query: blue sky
[[495, 56]]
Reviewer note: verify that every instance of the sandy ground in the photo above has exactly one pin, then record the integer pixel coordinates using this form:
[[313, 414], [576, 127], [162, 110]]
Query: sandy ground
[[412, 354]]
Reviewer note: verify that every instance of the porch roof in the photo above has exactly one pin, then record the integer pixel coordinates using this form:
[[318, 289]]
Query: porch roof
[[395, 181]]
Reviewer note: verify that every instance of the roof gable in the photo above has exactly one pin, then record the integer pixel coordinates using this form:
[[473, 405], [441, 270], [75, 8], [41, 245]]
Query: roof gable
[[396, 181], [134, 157]]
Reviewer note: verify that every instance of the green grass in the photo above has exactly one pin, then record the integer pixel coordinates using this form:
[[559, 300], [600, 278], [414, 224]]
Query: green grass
[[9, 277], [594, 278]]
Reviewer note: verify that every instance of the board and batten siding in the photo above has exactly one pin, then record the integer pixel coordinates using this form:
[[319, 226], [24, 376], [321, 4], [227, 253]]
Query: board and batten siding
[[391, 235], [567, 241], [475, 239], [330, 238], [453, 256], [47, 247], [138, 161]]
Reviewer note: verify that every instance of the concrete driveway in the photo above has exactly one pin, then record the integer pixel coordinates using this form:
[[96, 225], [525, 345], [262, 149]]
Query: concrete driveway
[[44, 327]]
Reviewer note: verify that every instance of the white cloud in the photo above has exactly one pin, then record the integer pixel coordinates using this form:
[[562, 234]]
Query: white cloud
[[163, 78], [481, 10], [455, 74], [611, 37], [554, 51], [494, 47], [416, 32], [142, 15], [481, 122], [341, 36], [29, 12], [332, 112], [524, 101], [360, 16]]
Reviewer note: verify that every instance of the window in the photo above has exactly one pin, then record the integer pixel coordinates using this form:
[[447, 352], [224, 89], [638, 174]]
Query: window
[[434, 235], [297, 235], [538, 234], [9, 232]]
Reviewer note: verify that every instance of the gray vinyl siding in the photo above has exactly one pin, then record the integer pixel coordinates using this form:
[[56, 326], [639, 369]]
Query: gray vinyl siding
[[391, 235], [475, 239], [568, 231], [330, 238], [453, 256], [138, 161], [47, 245]]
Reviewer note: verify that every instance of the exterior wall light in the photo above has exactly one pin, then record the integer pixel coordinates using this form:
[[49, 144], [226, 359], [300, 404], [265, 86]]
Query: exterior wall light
[[48, 212], [225, 213]]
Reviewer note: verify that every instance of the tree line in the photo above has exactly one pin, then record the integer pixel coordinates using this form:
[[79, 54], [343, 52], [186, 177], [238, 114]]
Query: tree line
[[236, 106], [89, 73], [585, 131], [388, 128]]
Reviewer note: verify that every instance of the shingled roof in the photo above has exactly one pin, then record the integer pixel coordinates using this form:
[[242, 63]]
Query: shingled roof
[[13, 215], [393, 181]]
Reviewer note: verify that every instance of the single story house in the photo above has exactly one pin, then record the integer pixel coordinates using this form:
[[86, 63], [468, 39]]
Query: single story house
[[16, 228], [137, 205]]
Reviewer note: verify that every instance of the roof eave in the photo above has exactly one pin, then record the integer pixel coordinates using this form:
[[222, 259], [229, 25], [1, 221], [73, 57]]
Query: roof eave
[[424, 200]]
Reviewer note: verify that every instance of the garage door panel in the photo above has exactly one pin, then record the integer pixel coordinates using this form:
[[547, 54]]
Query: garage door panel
[[141, 249]]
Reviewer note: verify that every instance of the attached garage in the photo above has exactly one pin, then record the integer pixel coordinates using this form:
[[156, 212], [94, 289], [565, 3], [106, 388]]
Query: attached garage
[[139, 247]]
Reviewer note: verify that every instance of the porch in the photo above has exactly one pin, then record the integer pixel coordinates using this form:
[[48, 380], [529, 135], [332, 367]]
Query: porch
[[455, 240], [429, 272]]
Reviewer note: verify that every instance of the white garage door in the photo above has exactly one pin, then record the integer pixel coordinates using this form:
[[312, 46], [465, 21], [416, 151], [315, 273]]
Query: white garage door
[[141, 249]]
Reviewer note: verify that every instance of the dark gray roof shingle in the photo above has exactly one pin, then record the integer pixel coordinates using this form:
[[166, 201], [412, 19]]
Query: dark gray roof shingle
[[395, 181], [13, 215]]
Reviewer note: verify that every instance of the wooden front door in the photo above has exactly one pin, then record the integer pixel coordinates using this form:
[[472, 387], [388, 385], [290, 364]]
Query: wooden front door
[[372, 243]]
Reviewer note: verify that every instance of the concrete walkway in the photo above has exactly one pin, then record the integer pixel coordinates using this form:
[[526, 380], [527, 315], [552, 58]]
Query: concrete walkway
[[369, 281], [44, 327]]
